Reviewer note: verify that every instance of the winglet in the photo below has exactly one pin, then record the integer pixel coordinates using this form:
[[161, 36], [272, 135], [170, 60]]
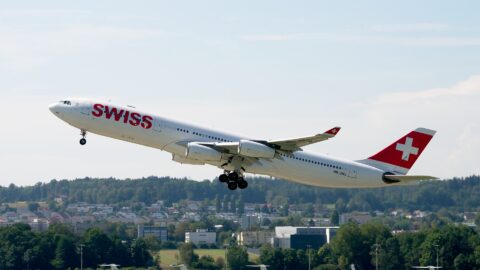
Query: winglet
[[334, 131]]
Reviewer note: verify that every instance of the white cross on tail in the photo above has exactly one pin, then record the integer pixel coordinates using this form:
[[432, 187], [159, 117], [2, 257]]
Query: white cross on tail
[[407, 149]]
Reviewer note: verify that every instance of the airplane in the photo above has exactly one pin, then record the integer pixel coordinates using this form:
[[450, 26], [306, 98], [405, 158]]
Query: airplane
[[237, 155]]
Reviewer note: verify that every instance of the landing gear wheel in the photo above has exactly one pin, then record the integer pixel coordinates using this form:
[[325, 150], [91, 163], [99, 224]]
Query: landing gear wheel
[[242, 184], [223, 178], [233, 176], [232, 185], [83, 133]]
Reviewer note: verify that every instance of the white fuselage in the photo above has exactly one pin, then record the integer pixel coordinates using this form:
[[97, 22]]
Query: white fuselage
[[171, 136]]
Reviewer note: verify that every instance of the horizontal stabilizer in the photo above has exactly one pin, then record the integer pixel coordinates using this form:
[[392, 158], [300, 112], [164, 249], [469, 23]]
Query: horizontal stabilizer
[[408, 178]]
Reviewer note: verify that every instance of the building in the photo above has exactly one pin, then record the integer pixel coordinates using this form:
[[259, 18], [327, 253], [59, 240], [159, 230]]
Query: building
[[255, 238], [303, 237], [201, 237], [39, 224], [247, 221], [159, 232], [358, 217]]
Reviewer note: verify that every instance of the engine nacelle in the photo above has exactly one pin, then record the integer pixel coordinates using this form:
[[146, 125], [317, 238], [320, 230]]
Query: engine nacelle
[[254, 149], [388, 181], [184, 160], [202, 153]]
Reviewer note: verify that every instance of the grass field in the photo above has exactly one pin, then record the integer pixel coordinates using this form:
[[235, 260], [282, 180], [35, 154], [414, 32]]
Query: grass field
[[171, 256], [24, 205]]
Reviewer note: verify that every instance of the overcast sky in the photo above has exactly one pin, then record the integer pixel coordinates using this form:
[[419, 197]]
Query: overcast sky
[[266, 69]]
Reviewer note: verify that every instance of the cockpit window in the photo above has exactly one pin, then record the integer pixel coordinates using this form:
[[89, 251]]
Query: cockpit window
[[66, 102]]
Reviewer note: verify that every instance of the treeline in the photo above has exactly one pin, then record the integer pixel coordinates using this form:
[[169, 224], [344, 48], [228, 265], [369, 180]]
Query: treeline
[[372, 244], [59, 248], [461, 193]]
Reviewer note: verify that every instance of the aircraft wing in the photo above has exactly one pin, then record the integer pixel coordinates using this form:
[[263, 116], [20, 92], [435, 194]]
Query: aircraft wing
[[296, 144], [282, 145]]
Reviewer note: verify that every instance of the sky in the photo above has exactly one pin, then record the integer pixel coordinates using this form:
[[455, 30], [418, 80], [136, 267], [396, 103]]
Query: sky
[[264, 69]]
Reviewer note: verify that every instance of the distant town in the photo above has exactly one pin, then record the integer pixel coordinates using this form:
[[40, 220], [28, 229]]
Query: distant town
[[225, 220]]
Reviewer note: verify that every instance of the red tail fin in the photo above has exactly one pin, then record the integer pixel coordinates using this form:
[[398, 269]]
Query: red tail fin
[[400, 156]]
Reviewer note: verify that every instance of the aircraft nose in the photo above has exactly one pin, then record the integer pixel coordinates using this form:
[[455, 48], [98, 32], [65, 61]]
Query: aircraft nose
[[54, 108]]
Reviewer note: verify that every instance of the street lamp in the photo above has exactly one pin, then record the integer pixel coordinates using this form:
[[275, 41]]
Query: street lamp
[[437, 246], [308, 251], [81, 256], [377, 246], [226, 260]]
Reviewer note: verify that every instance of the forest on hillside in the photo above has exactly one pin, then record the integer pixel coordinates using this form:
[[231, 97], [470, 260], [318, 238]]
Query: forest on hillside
[[457, 193]]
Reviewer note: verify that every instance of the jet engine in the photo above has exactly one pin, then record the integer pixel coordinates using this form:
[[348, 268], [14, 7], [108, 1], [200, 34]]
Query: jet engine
[[254, 149], [202, 153], [184, 160]]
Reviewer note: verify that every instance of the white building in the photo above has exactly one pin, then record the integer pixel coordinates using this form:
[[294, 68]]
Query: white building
[[201, 236], [247, 221], [255, 238], [39, 224]]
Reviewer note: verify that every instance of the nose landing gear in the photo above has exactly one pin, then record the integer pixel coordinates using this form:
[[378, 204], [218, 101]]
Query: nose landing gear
[[234, 180], [83, 141]]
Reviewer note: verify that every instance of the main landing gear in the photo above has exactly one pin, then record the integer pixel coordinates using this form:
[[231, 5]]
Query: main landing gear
[[233, 180], [83, 141]]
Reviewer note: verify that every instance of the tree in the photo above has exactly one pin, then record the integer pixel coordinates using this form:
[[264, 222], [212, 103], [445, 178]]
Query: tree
[[340, 205], [284, 210], [451, 241], [152, 242], [240, 206], [97, 248], [52, 205], [389, 257], [218, 204], [273, 257], [237, 257], [186, 254], [140, 254], [205, 263], [180, 230], [15, 241], [122, 253], [233, 204], [225, 203], [410, 244], [65, 253], [220, 262], [33, 206], [302, 258], [350, 246], [335, 218], [309, 211], [290, 260], [462, 261]]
